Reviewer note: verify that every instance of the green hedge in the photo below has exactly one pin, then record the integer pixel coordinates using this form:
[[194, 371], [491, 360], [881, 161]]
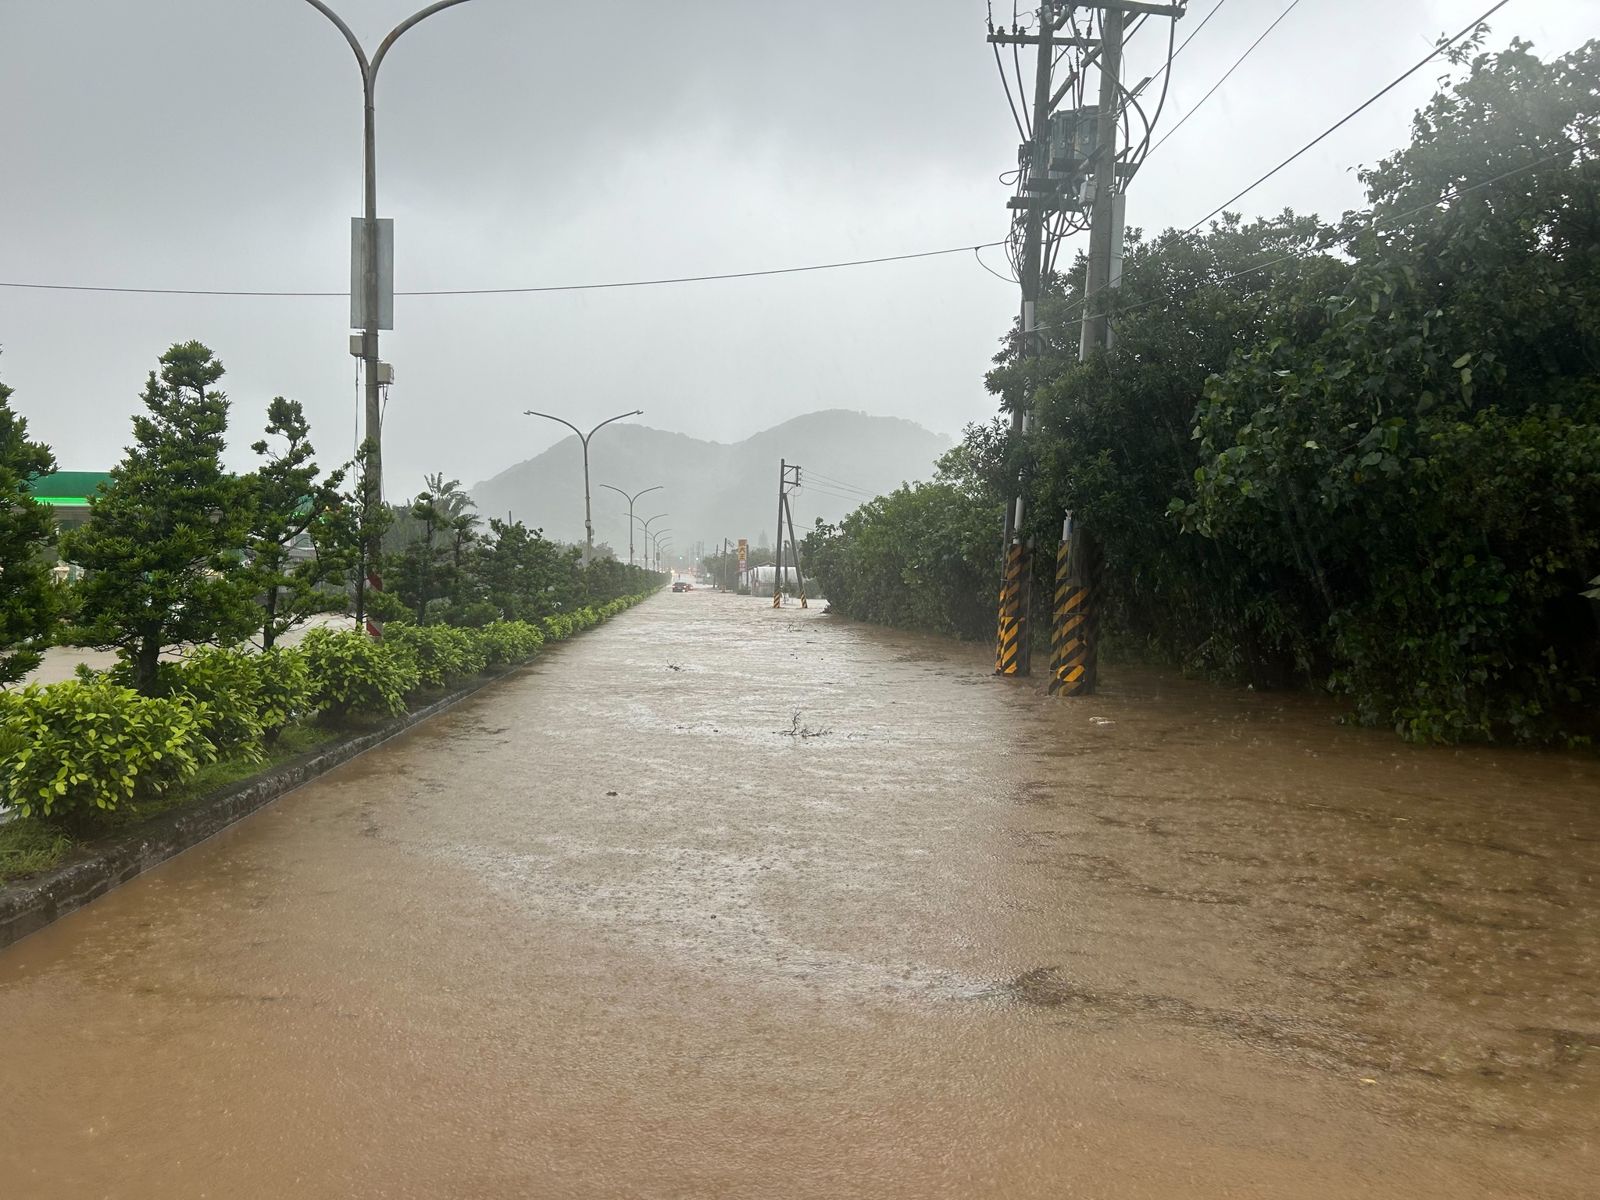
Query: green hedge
[[506, 642], [440, 654], [353, 676], [88, 745], [70, 750]]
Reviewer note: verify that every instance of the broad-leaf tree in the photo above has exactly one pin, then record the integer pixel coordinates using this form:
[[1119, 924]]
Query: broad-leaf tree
[[1363, 455]]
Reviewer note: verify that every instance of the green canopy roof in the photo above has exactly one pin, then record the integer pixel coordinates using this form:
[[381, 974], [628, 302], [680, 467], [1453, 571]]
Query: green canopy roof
[[67, 489]]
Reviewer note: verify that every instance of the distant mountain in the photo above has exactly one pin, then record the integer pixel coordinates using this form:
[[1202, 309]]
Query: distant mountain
[[711, 490]]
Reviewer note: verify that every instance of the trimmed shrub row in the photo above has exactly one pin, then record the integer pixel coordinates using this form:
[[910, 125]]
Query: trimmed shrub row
[[69, 750]]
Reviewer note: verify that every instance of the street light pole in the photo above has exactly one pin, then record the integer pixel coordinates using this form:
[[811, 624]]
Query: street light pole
[[373, 473], [646, 524], [654, 541], [588, 520], [630, 500]]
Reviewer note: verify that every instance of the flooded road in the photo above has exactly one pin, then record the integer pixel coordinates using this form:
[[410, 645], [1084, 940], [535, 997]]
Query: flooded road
[[721, 901]]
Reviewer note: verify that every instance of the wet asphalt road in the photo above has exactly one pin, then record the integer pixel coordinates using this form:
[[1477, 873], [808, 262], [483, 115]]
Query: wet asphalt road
[[718, 901]]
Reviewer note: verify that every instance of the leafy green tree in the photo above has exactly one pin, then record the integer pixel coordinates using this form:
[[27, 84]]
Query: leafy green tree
[[163, 549], [1364, 455], [27, 596], [1422, 456], [922, 557], [292, 505], [1113, 444]]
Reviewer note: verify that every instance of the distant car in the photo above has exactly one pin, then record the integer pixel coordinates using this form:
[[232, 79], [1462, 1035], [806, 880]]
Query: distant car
[[681, 586]]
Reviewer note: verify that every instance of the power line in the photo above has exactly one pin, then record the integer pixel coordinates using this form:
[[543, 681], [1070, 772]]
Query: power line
[[1201, 102], [1006, 278], [1453, 194], [836, 488], [1199, 27], [830, 479], [1422, 62], [509, 291], [818, 491]]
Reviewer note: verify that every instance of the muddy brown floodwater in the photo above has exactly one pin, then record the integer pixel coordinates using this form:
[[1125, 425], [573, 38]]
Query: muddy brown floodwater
[[721, 901]]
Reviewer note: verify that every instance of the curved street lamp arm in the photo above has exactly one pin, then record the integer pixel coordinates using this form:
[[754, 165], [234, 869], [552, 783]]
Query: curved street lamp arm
[[528, 412], [349, 35], [618, 491], [638, 412], [383, 46]]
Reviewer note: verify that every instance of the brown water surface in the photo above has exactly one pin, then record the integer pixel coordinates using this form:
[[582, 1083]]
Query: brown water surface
[[620, 926]]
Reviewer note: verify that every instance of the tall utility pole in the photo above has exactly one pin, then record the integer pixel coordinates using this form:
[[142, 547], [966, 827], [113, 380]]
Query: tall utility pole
[[788, 477], [794, 544], [1097, 286], [588, 516], [1013, 642], [630, 500], [1074, 640], [1070, 165], [777, 571], [367, 309]]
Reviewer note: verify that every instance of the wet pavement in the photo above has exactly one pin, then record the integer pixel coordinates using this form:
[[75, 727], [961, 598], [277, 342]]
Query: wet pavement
[[721, 901]]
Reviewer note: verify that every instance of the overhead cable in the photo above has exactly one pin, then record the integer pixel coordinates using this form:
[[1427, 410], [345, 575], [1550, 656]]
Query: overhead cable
[[1454, 194], [1422, 62], [1199, 27], [510, 291], [1201, 102]]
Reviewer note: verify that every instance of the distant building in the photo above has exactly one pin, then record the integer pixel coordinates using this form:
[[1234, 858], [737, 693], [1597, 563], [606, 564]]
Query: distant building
[[67, 493]]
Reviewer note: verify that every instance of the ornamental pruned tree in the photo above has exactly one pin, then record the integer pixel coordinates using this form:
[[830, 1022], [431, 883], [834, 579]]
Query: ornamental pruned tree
[[27, 596], [295, 546], [164, 546]]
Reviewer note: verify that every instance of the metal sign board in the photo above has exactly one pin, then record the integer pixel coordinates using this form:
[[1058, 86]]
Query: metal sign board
[[358, 273]]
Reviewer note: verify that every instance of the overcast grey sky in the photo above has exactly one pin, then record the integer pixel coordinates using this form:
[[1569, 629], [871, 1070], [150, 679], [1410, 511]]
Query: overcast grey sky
[[215, 144]]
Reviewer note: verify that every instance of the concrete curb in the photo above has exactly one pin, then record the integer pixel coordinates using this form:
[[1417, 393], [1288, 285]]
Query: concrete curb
[[97, 867]]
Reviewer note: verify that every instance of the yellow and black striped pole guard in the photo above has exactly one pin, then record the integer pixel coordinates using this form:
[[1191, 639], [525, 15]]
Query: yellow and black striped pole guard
[[1011, 638], [1070, 673]]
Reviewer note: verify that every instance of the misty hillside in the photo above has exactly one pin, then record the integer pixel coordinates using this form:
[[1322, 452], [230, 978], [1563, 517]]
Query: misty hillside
[[711, 490]]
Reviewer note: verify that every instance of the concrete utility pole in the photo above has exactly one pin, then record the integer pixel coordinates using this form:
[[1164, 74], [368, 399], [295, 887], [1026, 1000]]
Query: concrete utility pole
[[794, 544], [588, 516], [777, 574], [630, 500], [1013, 643], [368, 311], [1063, 171], [785, 482], [1096, 333], [1074, 649]]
